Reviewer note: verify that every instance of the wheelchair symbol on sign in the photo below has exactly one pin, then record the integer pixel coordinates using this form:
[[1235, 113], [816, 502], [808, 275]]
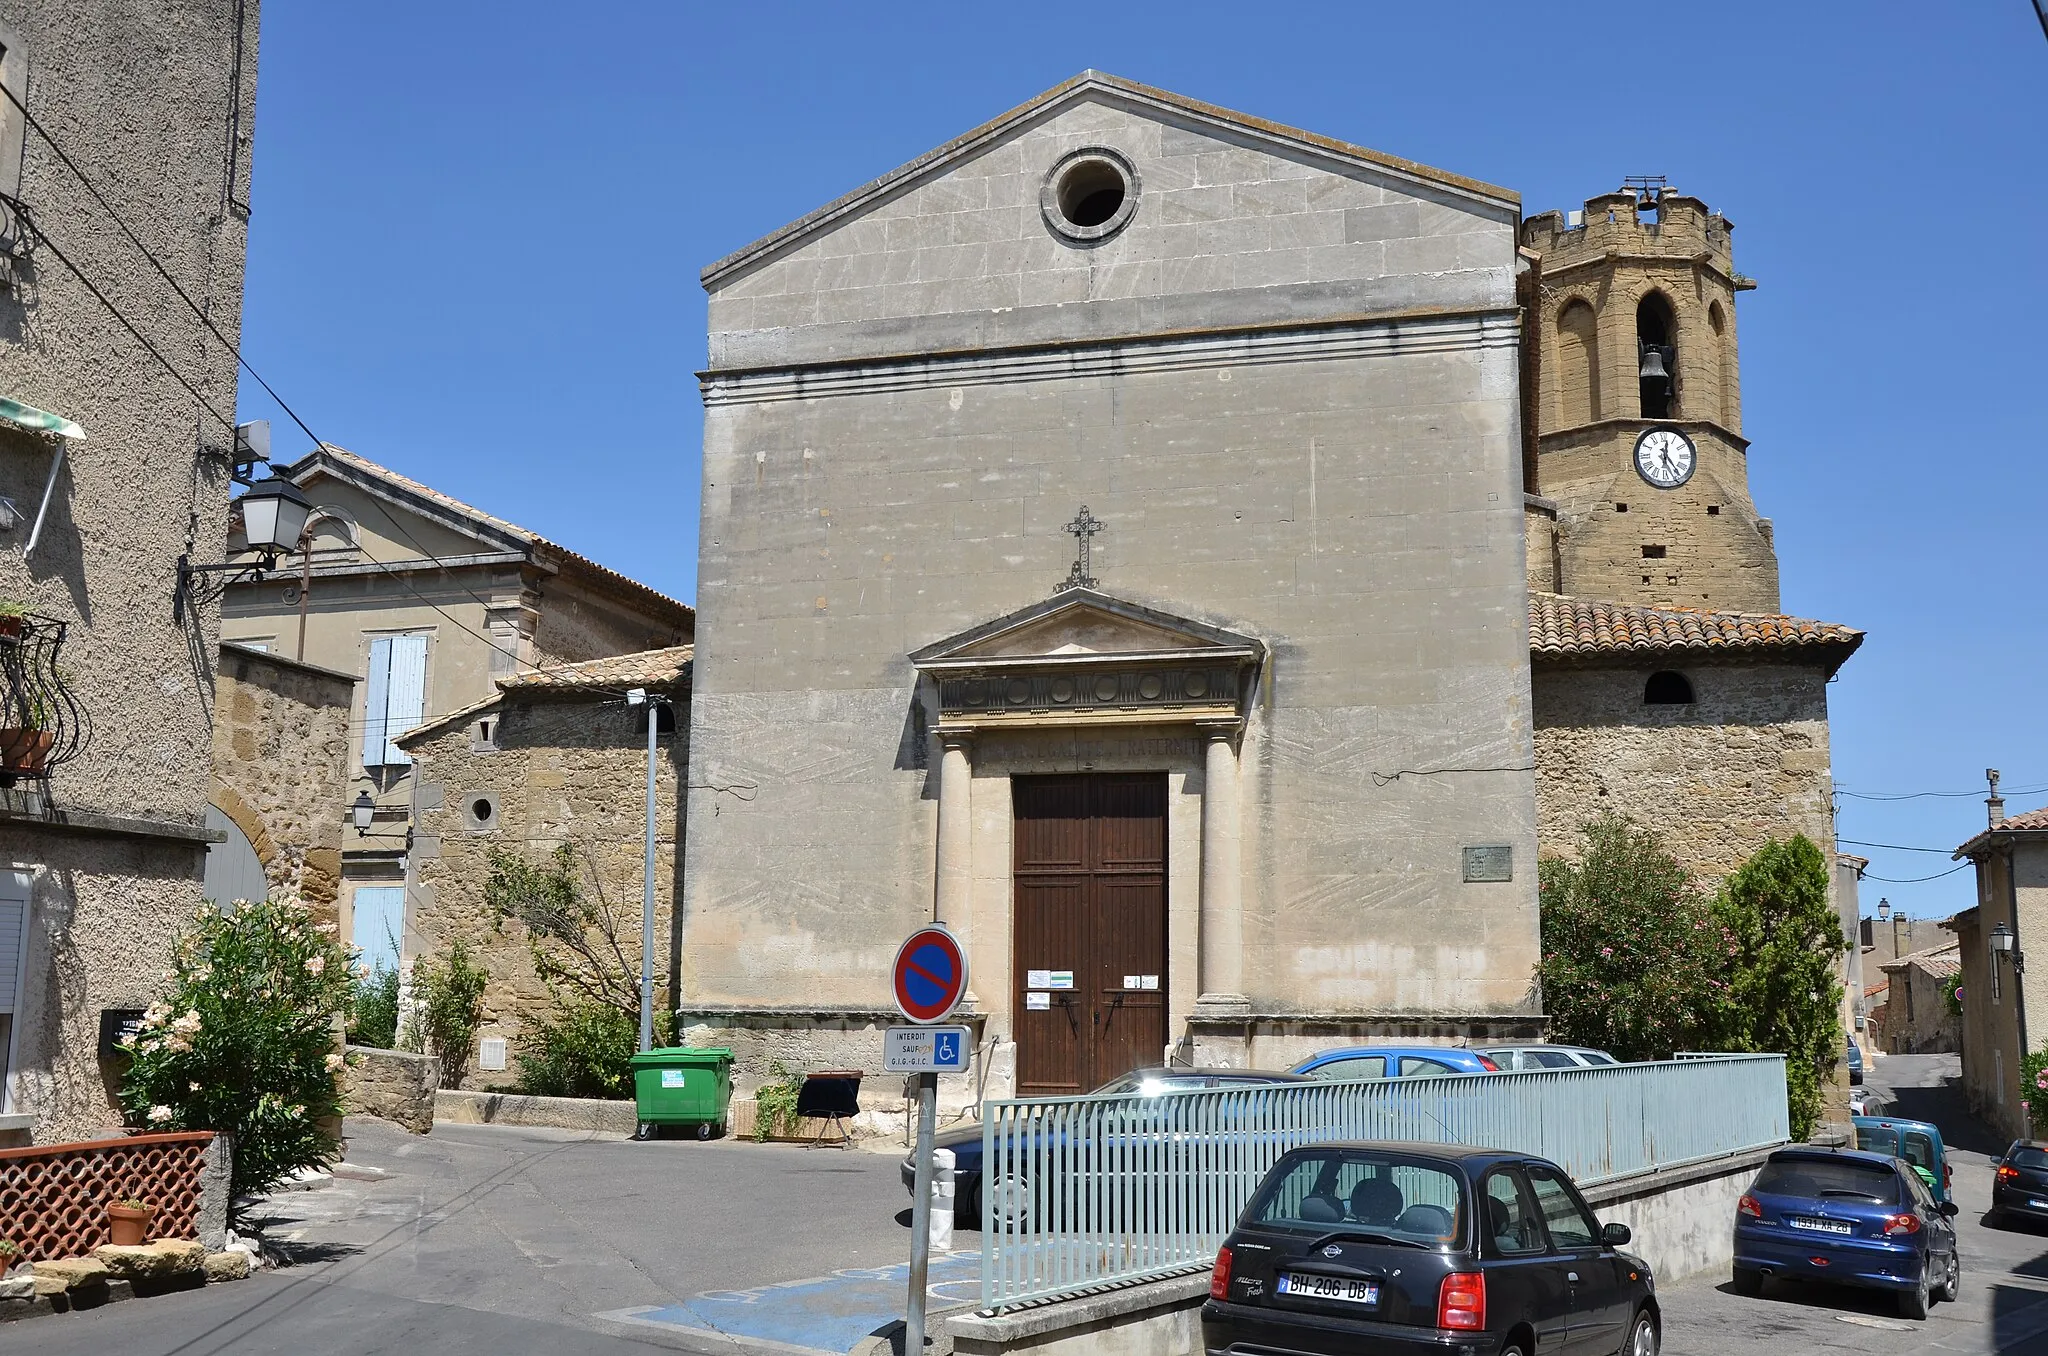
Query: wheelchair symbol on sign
[[946, 1048]]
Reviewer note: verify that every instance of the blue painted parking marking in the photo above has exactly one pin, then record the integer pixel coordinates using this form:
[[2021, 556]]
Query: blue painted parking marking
[[816, 1314]]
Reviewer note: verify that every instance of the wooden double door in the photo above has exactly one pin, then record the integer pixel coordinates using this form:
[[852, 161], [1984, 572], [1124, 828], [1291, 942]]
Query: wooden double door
[[1090, 914]]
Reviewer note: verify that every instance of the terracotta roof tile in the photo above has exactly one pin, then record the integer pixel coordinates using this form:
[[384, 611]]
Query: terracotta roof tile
[[646, 668], [2031, 820], [1566, 627]]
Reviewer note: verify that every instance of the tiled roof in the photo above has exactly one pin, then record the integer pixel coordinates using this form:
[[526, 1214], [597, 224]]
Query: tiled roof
[[1565, 627], [647, 668], [2032, 821], [1940, 961], [428, 492]]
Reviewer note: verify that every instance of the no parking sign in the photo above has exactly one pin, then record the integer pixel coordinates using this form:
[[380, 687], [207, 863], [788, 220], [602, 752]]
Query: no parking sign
[[930, 975]]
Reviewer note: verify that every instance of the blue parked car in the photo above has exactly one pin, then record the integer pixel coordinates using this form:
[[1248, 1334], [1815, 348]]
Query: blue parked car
[[1855, 1063], [1394, 1061], [1849, 1217]]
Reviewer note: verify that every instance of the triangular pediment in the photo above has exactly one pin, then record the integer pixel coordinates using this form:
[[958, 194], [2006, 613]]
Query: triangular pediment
[[1077, 625]]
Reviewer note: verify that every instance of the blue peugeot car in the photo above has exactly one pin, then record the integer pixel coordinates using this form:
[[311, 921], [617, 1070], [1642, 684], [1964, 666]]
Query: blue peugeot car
[[1853, 1218]]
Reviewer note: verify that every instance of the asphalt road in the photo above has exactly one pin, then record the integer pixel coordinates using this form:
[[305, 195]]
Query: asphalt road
[[2004, 1304], [498, 1240]]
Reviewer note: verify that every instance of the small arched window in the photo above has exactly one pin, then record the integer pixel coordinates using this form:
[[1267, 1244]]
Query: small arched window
[[330, 532], [1668, 689], [1724, 367], [1657, 356]]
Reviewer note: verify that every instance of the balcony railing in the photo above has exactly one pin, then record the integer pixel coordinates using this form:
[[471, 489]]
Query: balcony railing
[[43, 725]]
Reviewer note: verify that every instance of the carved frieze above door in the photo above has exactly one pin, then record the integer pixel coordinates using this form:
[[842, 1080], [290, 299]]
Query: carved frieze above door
[[1085, 658]]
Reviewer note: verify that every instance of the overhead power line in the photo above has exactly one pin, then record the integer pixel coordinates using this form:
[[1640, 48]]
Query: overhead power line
[[207, 321], [1978, 794], [1896, 847], [1916, 880]]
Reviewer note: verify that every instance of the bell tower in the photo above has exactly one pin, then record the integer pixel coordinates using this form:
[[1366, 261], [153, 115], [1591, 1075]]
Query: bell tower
[[1631, 384]]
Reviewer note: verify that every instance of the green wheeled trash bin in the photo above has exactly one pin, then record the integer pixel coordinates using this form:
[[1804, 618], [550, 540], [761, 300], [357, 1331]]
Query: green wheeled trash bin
[[682, 1086]]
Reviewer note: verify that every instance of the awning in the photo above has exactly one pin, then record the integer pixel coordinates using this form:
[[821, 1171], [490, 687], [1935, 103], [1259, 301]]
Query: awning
[[38, 421]]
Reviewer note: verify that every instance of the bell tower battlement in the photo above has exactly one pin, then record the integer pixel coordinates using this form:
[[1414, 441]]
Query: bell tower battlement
[[1632, 384]]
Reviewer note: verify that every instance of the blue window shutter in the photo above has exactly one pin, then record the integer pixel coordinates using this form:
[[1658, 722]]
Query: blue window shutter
[[374, 697], [407, 698]]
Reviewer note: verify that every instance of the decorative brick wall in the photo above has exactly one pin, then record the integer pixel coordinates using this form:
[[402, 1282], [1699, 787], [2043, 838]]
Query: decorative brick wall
[[54, 1199]]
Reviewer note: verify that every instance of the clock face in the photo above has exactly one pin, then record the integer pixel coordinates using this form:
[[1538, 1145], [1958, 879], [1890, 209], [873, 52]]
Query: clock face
[[1664, 457]]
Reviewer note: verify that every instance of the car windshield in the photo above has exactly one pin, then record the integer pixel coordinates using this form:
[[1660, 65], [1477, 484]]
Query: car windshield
[[1812, 1178], [1365, 1193], [2029, 1158]]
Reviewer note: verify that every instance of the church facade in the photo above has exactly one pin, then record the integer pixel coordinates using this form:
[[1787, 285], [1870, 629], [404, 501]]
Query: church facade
[[1126, 533]]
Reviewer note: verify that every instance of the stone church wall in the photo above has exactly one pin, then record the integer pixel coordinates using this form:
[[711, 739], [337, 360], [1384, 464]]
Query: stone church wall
[[553, 772], [1747, 761]]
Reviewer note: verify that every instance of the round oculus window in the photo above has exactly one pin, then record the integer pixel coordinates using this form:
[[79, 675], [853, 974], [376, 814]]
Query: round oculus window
[[1090, 195]]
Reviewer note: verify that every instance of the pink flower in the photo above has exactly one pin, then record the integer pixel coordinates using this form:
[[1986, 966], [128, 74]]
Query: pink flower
[[315, 964]]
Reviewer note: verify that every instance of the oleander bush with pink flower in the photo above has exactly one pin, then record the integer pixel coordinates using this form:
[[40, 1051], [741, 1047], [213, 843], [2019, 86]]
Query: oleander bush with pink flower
[[242, 1039]]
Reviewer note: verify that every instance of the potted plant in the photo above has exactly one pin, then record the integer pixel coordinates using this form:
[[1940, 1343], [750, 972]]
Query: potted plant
[[128, 1221], [11, 616], [26, 748]]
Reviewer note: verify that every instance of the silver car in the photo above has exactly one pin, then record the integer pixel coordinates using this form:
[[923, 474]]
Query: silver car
[[1547, 1057]]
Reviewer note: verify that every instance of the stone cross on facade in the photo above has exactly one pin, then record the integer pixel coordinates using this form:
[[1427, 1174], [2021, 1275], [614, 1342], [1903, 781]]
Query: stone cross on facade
[[1082, 528]]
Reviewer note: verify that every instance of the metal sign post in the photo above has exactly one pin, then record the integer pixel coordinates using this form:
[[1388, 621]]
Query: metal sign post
[[928, 979]]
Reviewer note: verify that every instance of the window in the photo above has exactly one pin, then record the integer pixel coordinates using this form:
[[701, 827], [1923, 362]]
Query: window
[[14, 939], [393, 698], [330, 533], [1570, 1226], [1724, 396], [1668, 689], [1414, 1066], [1657, 356], [1653, 552], [1811, 1178], [378, 923], [1550, 1059], [1359, 1066], [1511, 1220], [13, 127], [1090, 195], [1409, 1197]]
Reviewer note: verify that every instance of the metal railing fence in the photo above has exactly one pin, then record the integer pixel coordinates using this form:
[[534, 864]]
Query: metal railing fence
[[1087, 1193]]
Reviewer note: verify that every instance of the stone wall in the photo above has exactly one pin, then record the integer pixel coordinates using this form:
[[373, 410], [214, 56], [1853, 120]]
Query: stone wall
[[555, 772], [396, 1085], [157, 97], [280, 765], [1747, 761]]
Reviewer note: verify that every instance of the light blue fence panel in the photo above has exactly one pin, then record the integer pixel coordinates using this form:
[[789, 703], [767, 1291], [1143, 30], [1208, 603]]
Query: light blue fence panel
[[1086, 1193]]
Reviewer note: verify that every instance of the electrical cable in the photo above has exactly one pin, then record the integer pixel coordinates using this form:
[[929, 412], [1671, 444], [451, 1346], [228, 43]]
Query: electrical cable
[[204, 319], [1896, 847], [1915, 880], [1388, 778], [43, 237], [1979, 793]]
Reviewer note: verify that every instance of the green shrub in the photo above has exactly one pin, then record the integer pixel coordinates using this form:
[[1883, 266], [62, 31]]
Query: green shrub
[[446, 1009], [1634, 962], [242, 1039], [582, 1049], [775, 1102], [376, 1023]]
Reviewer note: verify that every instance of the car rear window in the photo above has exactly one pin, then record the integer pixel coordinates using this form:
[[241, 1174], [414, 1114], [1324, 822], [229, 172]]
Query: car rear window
[[1351, 1067], [2028, 1158], [1553, 1059], [1327, 1191], [1815, 1177]]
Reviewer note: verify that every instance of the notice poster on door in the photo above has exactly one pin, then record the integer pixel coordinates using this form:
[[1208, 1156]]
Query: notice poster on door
[[1038, 979], [1059, 979], [1148, 981], [1037, 1002]]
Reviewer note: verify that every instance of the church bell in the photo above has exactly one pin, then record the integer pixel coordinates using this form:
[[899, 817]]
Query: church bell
[[1653, 364]]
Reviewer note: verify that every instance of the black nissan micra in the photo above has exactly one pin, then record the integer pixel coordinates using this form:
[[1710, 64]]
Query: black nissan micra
[[1399, 1248]]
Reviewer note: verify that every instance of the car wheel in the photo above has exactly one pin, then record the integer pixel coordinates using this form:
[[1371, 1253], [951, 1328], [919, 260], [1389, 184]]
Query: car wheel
[[1952, 1281], [1642, 1338], [1914, 1303], [1004, 1203], [1748, 1282]]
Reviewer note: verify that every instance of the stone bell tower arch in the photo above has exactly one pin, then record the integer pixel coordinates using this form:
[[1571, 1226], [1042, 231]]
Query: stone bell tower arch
[[1630, 321]]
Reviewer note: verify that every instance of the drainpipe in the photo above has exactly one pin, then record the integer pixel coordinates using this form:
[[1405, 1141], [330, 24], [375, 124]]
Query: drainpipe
[[2019, 983]]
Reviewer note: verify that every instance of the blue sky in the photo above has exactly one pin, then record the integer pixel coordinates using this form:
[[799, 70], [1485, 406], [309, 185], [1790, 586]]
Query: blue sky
[[478, 229]]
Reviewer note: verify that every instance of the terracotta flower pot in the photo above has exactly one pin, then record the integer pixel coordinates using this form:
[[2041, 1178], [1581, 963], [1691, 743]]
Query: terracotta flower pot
[[10, 626], [128, 1224], [24, 750]]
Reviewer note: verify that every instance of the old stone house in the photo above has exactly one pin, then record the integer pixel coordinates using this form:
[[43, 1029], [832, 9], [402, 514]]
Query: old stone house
[[2003, 1005], [1918, 1019], [430, 601], [556, 758], [113, 466], [280, 758], [1303, 540]]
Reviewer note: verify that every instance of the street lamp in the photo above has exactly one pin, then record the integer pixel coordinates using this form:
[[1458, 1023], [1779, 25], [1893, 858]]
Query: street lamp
[[361, 812], [1884, 909], [2001, 938], [274, 513]]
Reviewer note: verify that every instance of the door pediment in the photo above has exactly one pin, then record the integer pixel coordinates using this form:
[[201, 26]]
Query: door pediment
[[1086, 657]]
